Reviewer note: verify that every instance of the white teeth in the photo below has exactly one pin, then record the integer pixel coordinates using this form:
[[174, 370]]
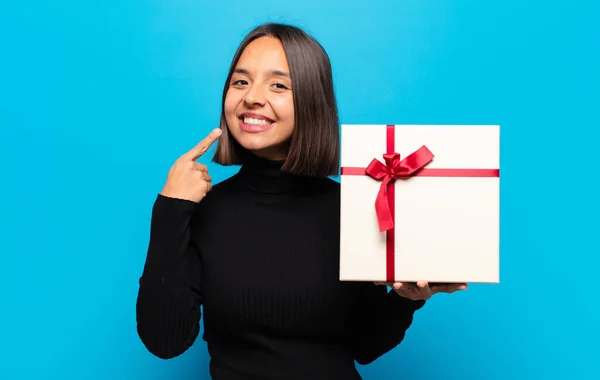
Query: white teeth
[[249, 120]]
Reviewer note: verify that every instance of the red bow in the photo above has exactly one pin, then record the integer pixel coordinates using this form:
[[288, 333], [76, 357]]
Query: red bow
[[394, 168]]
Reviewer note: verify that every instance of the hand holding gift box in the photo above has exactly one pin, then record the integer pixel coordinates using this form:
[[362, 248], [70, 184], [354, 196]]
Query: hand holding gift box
[[420, 202]]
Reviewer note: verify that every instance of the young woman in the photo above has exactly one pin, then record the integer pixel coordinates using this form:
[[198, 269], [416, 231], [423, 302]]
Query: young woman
[[260, 251]]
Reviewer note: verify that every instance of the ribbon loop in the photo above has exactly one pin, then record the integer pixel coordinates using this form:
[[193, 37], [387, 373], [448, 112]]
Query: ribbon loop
[[393, 169]]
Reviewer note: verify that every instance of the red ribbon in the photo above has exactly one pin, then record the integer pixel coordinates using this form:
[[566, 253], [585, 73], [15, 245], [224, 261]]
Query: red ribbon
[[394, 168]]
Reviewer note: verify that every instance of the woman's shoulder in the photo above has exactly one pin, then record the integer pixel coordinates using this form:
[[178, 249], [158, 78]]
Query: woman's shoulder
[[328, 186]]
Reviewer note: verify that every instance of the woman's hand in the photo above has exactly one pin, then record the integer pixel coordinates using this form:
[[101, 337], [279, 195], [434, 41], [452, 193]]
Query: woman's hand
[[187, 178], [422, 290]]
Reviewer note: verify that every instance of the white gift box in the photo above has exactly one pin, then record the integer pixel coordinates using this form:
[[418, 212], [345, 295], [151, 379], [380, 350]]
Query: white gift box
[[445, 215]]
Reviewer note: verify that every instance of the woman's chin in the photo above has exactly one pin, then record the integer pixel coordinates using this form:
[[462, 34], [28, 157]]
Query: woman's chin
[[266, 150], [254, 144]]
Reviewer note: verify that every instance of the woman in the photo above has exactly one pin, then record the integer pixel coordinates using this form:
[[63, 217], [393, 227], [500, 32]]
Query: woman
[[260, 251]]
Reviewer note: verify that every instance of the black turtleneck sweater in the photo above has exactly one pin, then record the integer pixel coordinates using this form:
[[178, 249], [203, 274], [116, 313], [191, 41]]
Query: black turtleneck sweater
[[260, 254]]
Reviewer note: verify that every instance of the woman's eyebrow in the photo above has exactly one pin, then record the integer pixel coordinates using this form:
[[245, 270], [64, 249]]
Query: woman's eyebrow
[[241, 70]]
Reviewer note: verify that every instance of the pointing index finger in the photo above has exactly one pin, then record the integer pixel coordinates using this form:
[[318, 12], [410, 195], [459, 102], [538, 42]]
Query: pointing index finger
[[197, 151]]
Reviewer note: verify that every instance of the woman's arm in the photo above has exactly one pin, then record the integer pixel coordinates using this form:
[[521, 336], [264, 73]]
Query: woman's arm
[[382, 322], [170, 293]]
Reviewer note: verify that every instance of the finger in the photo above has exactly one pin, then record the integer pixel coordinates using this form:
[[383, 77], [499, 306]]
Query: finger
[[445, 289], [450, 288], [459, 286], [407, 290], [416, 289], [425, 289], [404, 285], [390, 284], [201, 167], [197, 151]]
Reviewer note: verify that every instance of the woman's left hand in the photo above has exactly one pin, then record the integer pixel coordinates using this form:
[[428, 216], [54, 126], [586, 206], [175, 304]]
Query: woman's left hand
[[421, 290]]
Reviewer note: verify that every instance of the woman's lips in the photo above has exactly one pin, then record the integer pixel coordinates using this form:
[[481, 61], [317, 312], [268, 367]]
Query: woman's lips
[[255, 123], [254, 128]]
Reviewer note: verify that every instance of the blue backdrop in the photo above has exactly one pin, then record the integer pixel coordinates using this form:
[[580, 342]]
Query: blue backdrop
[[98, 98]]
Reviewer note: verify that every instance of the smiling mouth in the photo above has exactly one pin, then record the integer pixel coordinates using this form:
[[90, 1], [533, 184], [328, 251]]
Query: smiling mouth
[[257, 122]]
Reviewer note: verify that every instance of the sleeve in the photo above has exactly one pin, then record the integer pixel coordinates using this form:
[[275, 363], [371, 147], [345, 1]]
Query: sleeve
[[382, 322], [170, 295]]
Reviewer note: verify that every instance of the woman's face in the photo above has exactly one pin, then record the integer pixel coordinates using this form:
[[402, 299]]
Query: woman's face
[[259, 107]]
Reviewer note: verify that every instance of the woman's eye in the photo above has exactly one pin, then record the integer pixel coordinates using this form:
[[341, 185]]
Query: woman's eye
[[280, 86], [239, 82]]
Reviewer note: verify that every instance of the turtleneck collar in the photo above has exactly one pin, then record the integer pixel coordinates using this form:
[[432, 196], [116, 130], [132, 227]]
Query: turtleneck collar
[[265, 176]]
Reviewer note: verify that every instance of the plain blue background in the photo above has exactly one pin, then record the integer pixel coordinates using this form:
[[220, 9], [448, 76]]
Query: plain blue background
[[98, 98]]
